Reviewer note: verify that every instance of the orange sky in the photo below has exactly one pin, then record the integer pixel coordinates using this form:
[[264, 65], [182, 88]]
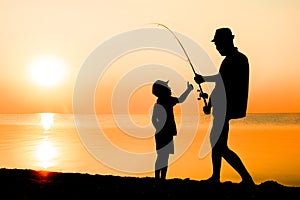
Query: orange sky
[[266, 31]]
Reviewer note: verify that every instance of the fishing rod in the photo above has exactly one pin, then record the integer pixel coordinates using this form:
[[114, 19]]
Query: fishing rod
[[202, 95]]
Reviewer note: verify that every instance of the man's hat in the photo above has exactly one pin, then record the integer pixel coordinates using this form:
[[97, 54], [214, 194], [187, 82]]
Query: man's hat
[[223, 34]]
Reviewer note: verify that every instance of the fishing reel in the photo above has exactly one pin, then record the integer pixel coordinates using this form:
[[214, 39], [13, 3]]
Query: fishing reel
[[202, 95]]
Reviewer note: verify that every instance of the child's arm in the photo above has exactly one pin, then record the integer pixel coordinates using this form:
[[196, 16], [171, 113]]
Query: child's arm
[[189, 88]]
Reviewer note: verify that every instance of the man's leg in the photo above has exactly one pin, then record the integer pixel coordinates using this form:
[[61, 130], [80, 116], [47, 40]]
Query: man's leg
[[220, 141], [234, 160], [216, 162]]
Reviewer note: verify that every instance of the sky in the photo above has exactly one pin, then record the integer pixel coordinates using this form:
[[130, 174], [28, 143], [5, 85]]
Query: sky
[[66, 32]]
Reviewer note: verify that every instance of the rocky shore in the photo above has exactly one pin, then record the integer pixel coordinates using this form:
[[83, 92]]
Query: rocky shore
[[44, 185]]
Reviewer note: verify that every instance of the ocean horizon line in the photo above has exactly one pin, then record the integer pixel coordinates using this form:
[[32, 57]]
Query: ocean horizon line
[[67, 113]]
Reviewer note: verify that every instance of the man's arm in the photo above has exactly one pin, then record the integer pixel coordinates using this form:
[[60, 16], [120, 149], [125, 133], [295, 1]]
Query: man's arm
[[201, 79]]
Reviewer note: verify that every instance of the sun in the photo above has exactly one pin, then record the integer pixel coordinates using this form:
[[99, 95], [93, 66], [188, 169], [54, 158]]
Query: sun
[[47, 70]]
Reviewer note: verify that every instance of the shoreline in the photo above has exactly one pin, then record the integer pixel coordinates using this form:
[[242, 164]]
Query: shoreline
[[33, 184]]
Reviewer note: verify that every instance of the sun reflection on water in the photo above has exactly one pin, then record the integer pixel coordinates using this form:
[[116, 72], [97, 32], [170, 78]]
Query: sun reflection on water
[[47, 120], [46, 151]]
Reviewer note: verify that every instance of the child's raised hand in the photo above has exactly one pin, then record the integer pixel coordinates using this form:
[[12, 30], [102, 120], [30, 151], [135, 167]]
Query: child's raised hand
[[189, 86]]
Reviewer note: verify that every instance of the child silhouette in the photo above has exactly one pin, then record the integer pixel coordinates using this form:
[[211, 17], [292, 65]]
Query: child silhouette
[[164, 123]]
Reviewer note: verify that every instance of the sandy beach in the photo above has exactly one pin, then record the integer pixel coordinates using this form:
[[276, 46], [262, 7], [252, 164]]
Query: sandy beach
[[32, 184]]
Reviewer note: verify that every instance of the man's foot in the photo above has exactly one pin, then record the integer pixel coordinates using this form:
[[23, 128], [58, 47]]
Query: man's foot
[[212, 180], [248, 182]]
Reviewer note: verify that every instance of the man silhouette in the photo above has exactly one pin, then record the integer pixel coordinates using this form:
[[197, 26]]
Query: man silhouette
[[234, 72]]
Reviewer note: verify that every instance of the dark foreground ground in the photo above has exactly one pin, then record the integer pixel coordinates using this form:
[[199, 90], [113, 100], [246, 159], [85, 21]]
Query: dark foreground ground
[[30, 184]]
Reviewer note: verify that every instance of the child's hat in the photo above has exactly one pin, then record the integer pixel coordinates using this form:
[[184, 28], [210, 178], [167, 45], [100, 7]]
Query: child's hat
[[162, 83], [160, 87]]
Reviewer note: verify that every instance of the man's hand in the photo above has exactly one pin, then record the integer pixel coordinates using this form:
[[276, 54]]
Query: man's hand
[[206, 110], [199, 79]]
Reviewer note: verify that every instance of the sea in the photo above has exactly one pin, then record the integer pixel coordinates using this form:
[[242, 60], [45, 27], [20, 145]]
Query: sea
[[122, 145]]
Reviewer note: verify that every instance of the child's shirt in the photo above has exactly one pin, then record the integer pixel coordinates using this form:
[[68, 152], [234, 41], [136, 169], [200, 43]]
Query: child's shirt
[[169, 127]]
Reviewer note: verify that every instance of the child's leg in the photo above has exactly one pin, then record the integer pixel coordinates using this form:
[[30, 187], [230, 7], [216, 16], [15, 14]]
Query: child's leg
[[158, 164], [161, 165], [164, 172], [157, 173]]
